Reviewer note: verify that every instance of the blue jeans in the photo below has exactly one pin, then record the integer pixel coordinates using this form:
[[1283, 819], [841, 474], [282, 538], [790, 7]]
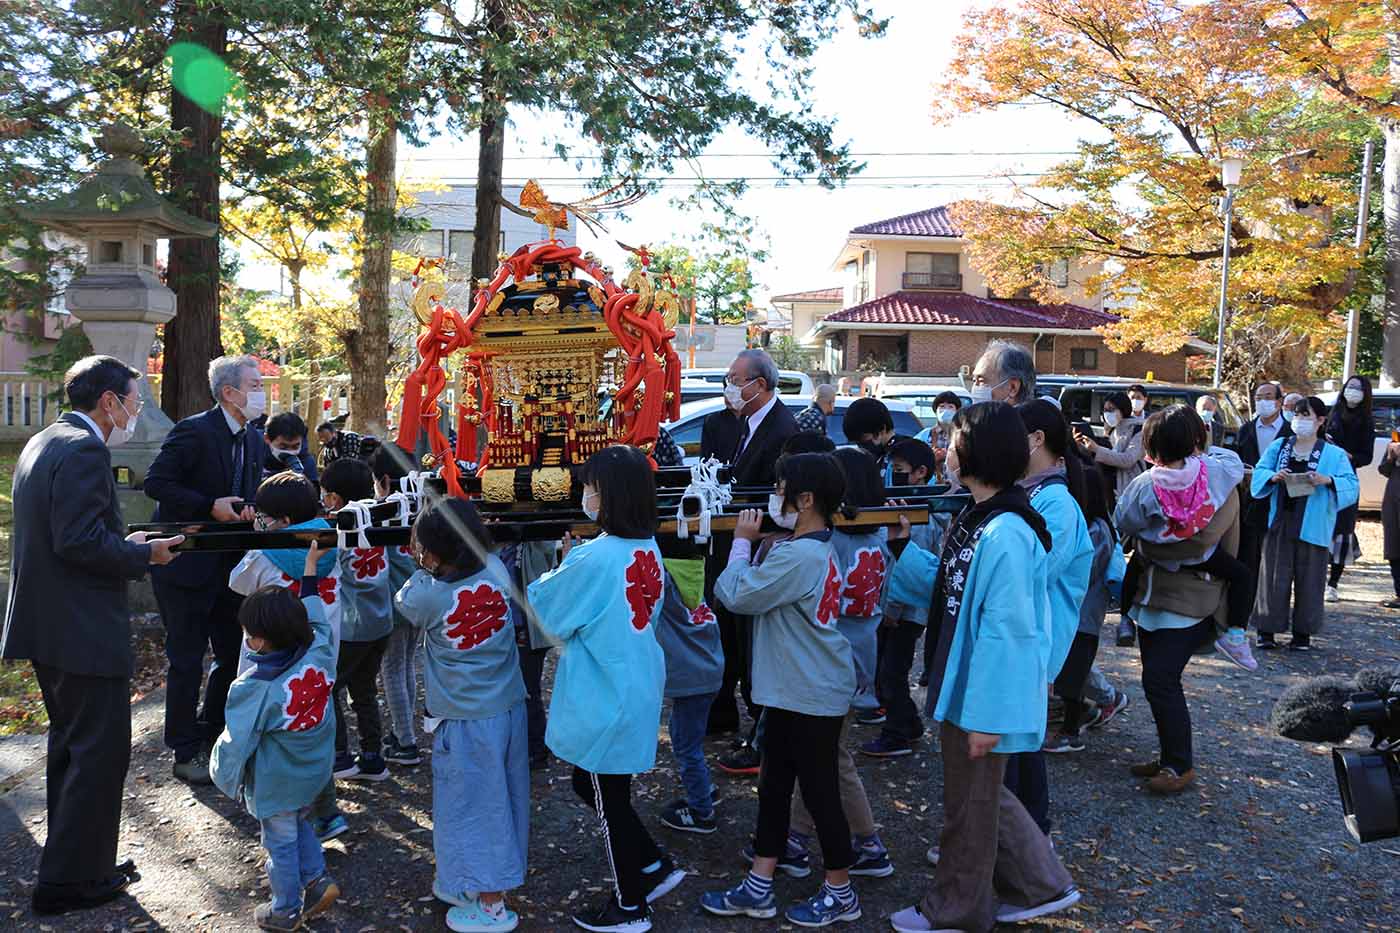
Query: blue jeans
[[689, 716], [294, 857]]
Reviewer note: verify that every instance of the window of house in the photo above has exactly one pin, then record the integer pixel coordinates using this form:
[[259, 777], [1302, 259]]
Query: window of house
[[1084, 358], [460, 244], [931, 270], [867, 260], [1058, 273], [1045, 343], [884, 352], [426, 243]]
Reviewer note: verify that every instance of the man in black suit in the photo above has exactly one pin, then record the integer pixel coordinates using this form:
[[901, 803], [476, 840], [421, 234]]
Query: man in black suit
[[68, 617], [1267, 426], [208, 469], [749, 435]]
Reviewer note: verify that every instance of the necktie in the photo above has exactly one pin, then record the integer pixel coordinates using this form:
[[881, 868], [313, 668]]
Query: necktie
[[743, 439], [237, 491]]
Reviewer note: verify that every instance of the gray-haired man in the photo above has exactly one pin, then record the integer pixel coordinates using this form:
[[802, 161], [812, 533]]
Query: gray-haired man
[[1005, 372]]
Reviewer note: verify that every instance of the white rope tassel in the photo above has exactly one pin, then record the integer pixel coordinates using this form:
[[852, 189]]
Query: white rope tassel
[[711, 494], [405, 503], [362, 521]]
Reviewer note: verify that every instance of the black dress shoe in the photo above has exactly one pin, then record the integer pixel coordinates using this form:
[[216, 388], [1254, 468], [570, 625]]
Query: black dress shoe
[[127, 867], [51, 899]]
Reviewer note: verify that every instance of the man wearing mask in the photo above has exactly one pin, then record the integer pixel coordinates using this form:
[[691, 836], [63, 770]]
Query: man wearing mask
[[1267, 426], [1209, 410], [207, 470], [1005, 372], [286, 446], [813, 417], [67, 615], [1137, 399]]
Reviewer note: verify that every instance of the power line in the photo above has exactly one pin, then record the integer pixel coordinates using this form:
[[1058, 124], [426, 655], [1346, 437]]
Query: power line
[[750, 155]]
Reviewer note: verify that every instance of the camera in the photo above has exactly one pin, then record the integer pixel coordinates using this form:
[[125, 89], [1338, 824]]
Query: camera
[[1369, 780]]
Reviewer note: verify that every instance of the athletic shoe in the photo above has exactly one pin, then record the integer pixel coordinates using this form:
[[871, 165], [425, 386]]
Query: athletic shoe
[[742, 760], [1391, 603], [872, 863], [345, 766], [477, 919], [1237, 652], [1266, 641], [319, 896], [662, 880], [1331, 595], [1300, 643], [933, 855], [1006, 913], [1105, 714], [1147, 769], [194, 771], [1059, 743], [268, 919], [887, 746], [369, 768], [404, 755], [1126, 636], [870, 717], [1167, 781], [459, 899], [822, 910], [609, 917], [912, 920], [326, 830], [738, 902], [793, 863], [679, 816]]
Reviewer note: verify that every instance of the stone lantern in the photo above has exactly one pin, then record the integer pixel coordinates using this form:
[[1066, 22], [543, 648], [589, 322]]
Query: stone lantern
[[117, 212]]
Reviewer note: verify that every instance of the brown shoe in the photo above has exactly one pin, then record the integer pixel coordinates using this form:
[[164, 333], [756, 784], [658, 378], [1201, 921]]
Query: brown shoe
[[1168, 781], [1147, 770]]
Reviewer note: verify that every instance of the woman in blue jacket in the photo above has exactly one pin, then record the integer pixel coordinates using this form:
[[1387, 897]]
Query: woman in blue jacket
[[988, 688], [1302, 515]]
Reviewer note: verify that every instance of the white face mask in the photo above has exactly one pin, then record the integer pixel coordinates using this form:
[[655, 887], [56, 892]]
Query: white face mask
[[734, 395], [780, 518], [1304, 427], [946, 415], [288, 457], [255, 406], [1111, 419], [1353, 396], [593, 512], [1207, 415], [122, 433], [1265, 407], [983, 393], [1138, 405]]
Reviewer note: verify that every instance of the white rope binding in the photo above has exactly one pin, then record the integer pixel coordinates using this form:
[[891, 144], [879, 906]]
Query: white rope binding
[[362, 521], [405, 503], [711, 495]]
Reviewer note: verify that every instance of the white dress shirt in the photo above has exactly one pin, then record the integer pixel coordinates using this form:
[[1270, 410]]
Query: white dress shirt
[[1267, 433], [92, 424]]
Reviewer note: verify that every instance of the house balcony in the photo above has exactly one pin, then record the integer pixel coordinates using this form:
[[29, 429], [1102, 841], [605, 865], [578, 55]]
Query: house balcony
[[944, 281]]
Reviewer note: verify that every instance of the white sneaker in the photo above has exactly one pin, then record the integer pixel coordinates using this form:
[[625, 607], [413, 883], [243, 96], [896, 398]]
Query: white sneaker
[[1007, 913], [1332, 595]]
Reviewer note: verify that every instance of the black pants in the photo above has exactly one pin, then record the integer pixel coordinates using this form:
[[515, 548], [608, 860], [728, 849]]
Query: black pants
[[89, 751], [1164, 656], [630, 847], [1335, 574], [197, 620], [1069, 685], [902, 720], [532, 672], [1395, 576], [1027, 778], [801, 750], [1250, 552], [357, 670]]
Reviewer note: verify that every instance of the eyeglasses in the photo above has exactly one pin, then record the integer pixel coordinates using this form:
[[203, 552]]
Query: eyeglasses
[[140, 402]]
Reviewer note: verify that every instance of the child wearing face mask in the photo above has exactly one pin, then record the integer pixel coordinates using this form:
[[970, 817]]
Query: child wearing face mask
[[1302, 517], [804, 676], [366, 621], [945, 408], [460, 599], [278, 740]]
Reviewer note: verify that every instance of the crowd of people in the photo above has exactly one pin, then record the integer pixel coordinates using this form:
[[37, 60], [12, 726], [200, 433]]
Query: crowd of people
[[788, 641]]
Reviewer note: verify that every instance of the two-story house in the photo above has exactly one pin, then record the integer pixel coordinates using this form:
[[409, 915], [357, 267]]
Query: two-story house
[[911, 303]]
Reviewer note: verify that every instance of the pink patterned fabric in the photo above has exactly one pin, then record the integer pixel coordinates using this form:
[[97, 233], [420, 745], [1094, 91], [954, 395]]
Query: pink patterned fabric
[[1185, 499]]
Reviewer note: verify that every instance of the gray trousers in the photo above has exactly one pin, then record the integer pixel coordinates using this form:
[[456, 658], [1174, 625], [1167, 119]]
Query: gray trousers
[[1288, 567]]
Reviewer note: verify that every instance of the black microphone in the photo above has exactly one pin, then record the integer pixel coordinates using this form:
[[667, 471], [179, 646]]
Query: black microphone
[[1312, 711]]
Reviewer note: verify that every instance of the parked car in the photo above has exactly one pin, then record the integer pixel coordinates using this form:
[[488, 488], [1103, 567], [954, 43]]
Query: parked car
[[1083, 404], [921, 398], [1051, 385], [790, 381], [1385, 416], [685, 430]]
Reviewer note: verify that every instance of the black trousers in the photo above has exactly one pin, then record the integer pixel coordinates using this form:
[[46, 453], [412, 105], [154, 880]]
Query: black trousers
[[1069, 685], [629, 845], [89, 751], [197, 620], [892, 682], [357, 670], [1250, 552], [801, 750], [1395, 576], [1165, 653], [532, 672], [1027, 778]]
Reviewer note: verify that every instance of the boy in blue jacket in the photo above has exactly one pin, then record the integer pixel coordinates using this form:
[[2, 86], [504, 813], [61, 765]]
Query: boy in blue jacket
[[278, 739]]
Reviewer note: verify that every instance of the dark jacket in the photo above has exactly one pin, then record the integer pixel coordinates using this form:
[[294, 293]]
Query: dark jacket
[[1254, 512], [1390, 507], [1354, 435], [195, 467], [719, 438], [70, 561]]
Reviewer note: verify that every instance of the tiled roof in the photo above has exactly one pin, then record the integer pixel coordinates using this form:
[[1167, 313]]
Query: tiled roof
[[819, 294], [958, 309], [932, 222]]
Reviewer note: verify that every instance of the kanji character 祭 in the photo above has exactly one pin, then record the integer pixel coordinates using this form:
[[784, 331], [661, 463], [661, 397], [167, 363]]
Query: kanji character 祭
[[702, 615], [307, 695], [864, 582], [830, 606], [643, 587], [368, 562], [480, 613]]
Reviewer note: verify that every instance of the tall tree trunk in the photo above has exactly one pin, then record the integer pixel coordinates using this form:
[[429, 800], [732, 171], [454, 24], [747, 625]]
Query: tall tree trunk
[[368, 345], [1390, 359], [490, 159], [192, 338]]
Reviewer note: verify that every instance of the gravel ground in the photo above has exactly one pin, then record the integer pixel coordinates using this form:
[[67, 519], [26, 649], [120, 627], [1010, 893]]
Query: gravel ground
[[1258, 844]]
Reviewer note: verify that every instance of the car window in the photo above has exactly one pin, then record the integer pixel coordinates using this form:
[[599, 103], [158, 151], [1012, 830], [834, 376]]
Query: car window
[[687, 433], [789, 385], [690, 395], [1385, 414]]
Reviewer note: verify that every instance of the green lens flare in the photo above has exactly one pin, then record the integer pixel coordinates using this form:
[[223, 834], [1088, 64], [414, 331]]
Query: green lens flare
[[201, 76]]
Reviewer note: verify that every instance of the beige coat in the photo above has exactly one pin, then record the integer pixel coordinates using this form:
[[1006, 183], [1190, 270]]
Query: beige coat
[[1188, 592]]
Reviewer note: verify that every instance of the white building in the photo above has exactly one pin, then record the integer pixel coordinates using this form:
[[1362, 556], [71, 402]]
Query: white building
[[452, 213]]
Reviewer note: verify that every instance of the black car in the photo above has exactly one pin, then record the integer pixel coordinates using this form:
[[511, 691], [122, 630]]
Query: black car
[[1083, 404]]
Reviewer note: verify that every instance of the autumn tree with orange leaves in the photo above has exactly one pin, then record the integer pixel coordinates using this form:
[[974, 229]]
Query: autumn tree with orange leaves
[[1165, 90]]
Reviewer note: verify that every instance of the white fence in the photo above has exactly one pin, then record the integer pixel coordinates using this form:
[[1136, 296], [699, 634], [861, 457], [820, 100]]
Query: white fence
[[27, 405]]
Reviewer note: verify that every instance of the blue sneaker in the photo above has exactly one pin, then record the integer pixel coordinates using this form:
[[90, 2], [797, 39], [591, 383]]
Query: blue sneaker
[[822, 910], [326, 830], [475, 918], [794, 863], [737, 902], [872, 863]]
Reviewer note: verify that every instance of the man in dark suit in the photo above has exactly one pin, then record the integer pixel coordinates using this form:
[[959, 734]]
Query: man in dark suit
[[1267, 426], [208, 469], [68, 617], [749, 435]]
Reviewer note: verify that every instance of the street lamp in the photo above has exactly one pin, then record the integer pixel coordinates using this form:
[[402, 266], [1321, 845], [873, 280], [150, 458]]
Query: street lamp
[[1230, 169]]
